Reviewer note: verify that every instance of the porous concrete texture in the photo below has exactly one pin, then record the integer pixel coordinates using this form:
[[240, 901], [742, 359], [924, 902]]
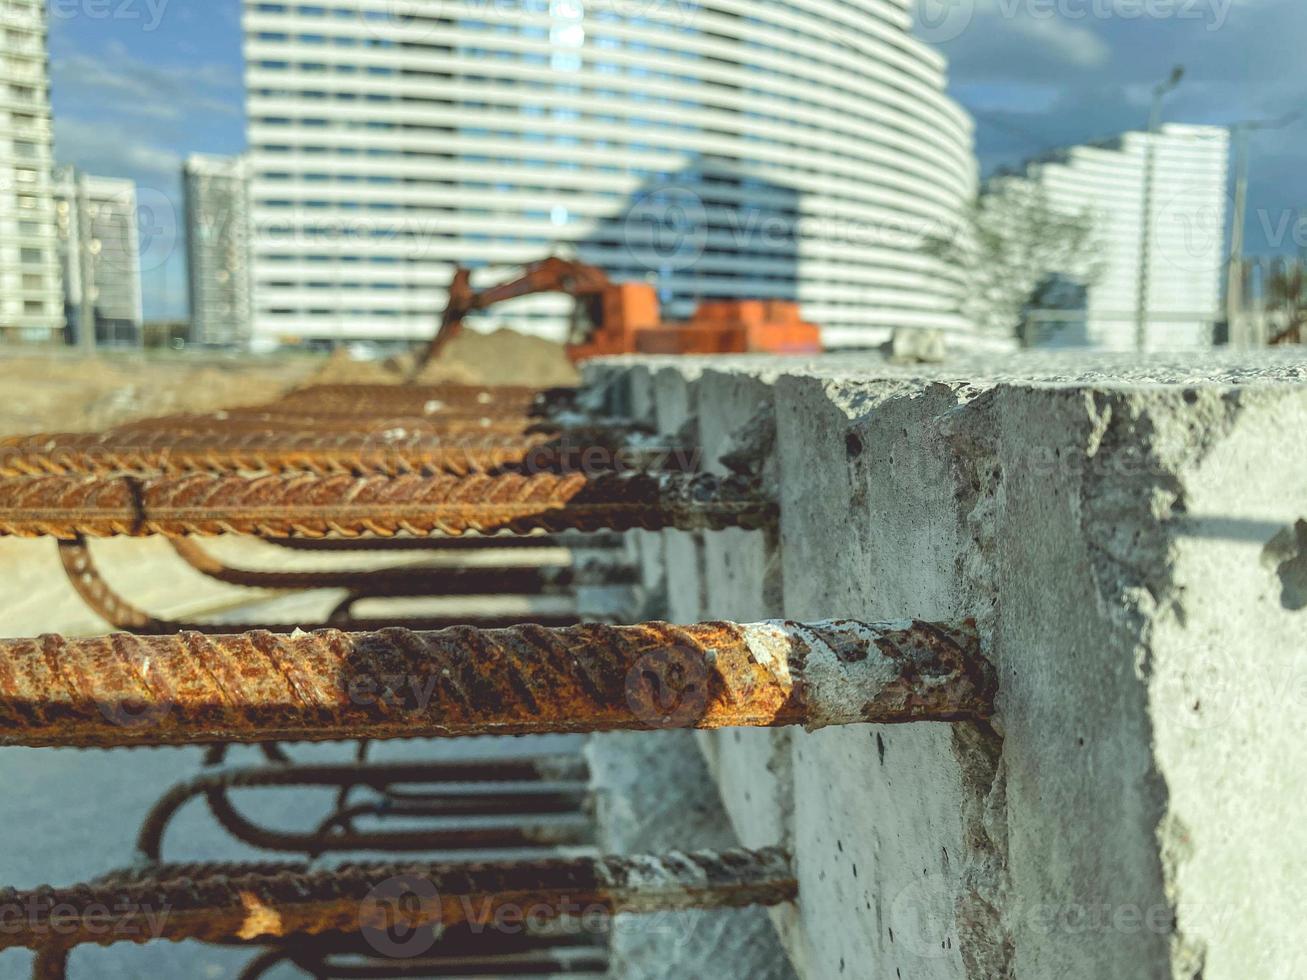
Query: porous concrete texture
[[653, 795], [1131, 537]]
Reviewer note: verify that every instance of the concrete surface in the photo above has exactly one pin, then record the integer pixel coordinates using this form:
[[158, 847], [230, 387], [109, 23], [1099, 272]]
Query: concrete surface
[[1131, 537]]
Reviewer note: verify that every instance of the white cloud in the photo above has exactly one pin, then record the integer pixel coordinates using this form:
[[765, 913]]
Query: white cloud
[[86, 143]]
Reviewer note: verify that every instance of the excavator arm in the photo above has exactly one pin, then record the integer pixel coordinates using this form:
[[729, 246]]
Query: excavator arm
[[551, 275]]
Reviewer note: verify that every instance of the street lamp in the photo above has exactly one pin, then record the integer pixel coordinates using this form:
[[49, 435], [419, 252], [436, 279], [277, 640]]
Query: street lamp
[[1234, 280], [1146, 223]]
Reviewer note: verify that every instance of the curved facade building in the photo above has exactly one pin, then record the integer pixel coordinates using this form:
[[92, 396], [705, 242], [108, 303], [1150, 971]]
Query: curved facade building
[[731, 148]]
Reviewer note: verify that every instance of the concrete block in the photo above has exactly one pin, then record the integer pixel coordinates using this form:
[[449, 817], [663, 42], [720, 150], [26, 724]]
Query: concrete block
[[653, 794], [1130, 536]]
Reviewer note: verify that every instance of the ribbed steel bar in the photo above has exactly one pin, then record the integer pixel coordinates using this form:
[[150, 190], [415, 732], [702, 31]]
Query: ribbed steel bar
[[395, 451], [529, 786], [546, 964], [115, 610], [235, 903], [428, 399], [132, 690], [463, 952], [470, 542], [315, 506], [275, 452], [535, 580], [261, 420]]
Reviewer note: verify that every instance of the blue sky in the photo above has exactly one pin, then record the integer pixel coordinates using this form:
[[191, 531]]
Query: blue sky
[[138, 84]]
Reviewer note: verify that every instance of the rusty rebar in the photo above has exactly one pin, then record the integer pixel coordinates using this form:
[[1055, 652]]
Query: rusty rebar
[[118, 612], [460, 952], [428, 399], [132, 690], [261, 420], [315, 506], [415, 580], [530, 786], [470, 542], [234, 903], [397, 450]]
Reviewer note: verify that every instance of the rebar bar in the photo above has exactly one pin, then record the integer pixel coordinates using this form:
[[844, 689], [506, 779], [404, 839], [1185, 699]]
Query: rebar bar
[[549, 784], [131, 690], [395, 450], [233, 903], [261, 420], [315, 506], [428, 399], [109, 605], [463, 952], [415, 580], [469, 542]]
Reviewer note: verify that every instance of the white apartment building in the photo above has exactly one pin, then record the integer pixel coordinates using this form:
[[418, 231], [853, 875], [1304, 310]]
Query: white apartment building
[[218, 249], [31, 301], [798, 149], [1185, 256], [99, 251]]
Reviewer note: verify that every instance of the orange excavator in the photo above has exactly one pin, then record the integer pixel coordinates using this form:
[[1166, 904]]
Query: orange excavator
[[626, 318]]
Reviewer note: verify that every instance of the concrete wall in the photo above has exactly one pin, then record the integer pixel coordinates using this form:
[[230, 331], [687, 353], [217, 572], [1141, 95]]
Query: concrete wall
[[1131, 538]]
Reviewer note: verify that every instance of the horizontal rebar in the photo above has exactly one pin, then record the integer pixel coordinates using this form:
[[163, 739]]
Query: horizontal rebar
[[470, 542], [118, 612], [217, 904], [428, 399], [315, 506], [394, 451], [262, 420], [416, 580], [329, 685]]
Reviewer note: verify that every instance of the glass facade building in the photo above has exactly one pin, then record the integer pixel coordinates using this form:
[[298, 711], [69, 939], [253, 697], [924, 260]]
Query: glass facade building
[[795, 149]]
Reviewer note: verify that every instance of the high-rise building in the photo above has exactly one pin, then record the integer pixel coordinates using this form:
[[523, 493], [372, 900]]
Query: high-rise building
[[798, 149], [218, 249], [31, 303], [99, 250], [1182, 255]]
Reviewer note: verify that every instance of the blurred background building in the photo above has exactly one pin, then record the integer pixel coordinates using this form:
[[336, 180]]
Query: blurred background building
[[100, 256], [795, 150], [216, 190], [1183, 261], [31, 304]]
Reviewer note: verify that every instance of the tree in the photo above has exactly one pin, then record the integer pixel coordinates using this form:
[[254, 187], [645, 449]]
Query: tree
[[1009, 244], [1286, 302]]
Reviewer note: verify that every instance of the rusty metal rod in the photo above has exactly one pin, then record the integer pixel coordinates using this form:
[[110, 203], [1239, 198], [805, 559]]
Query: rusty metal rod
[[501, 774], [237, 904], [415, 580], [316, 506], [130, 690], [469, 542], [114, 609], [253, 421], [428, 398], [394, 451]]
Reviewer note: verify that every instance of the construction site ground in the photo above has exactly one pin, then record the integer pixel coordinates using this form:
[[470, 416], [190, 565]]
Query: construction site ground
[[70, 816]]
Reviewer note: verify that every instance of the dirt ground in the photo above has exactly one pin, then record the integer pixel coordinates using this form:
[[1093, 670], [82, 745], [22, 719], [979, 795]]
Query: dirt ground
[[73, 815], [61, 391]]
